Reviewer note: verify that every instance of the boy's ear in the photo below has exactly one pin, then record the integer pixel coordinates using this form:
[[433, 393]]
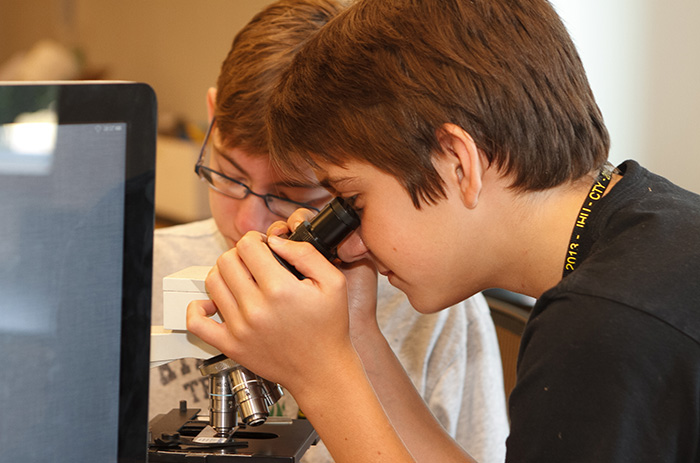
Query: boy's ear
[[211, 102], [463, 162]]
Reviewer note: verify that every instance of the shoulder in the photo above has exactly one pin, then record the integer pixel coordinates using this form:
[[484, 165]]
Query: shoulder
[[594, 324], [195, 230], [590, 368], [645, 251], [193, 239], [196, 243], [605, 345]]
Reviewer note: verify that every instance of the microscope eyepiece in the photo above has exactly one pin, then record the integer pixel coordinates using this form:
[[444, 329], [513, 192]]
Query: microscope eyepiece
[[326, 230]]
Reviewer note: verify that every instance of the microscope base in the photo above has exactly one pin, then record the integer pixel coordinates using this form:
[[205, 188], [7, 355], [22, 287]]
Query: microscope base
[[278, 440]]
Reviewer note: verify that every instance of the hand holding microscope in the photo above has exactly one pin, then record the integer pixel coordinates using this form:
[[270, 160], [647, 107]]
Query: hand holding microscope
[[234, 391]]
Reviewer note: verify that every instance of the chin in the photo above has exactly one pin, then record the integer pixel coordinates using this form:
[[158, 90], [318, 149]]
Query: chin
[[432, 301], [421, 301], [424, 305]]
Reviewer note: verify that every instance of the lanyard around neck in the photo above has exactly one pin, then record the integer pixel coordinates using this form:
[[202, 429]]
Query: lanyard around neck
[[581, 241]]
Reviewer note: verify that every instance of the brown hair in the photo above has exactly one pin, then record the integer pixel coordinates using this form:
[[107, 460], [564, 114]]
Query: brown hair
[[260, 52], [377, 82]]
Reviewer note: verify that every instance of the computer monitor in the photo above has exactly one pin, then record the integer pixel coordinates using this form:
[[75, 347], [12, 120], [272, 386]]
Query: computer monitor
[[77, 164]]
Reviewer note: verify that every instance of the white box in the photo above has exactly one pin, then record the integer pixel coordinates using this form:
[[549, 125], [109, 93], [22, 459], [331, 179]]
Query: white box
[[179, 289]]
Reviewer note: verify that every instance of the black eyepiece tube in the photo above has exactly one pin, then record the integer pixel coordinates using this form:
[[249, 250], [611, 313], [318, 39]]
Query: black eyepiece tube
[[326, 231]]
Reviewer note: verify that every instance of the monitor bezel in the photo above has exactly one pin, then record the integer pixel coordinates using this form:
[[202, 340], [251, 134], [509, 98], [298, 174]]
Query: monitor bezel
[[132, 103]]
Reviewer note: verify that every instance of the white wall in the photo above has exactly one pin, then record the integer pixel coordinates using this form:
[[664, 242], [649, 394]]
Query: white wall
[[176, 46], [673, 113], [643, 61]]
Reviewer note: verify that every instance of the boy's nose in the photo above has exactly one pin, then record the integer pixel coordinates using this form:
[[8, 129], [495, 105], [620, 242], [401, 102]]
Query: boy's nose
[[253, 215]]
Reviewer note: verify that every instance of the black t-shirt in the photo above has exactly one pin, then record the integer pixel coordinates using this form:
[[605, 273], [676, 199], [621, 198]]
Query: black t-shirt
[[609, 367]]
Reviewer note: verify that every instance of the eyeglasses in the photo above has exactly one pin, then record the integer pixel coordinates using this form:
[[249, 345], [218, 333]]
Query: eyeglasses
[[235, 189]]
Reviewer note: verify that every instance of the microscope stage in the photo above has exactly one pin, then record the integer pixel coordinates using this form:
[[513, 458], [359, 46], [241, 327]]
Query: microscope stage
[[277, 440]]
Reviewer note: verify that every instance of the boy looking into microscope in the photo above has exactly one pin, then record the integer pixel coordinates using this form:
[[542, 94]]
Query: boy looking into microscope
[[452, 357], [469, 139]]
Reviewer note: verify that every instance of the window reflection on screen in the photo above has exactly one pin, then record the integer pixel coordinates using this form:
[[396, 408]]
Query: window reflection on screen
[[61, 244]]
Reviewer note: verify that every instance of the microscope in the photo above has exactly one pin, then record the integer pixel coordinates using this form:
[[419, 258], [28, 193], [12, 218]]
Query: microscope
[[234, 391]]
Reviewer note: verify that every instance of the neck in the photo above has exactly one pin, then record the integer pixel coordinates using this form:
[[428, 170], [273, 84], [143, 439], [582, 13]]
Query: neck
[[543, 222]]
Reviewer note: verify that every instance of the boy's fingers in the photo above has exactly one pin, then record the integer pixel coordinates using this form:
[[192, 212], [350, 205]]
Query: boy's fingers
[[201, 325], [299, 216], [304, 257]]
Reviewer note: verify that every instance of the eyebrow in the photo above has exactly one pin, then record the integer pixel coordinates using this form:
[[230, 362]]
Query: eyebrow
[[285, 183], [332, 183], [229, 159]]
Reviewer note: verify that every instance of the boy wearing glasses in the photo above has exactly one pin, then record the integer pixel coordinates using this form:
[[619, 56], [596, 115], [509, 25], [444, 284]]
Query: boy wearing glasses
[[452, 357], [468, 136]]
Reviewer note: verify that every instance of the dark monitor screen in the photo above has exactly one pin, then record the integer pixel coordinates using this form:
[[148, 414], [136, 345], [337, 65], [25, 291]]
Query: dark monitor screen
[[76, 229]]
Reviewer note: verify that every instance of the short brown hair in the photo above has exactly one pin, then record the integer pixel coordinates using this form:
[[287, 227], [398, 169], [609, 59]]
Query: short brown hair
[[259, 54], [377, 82]]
